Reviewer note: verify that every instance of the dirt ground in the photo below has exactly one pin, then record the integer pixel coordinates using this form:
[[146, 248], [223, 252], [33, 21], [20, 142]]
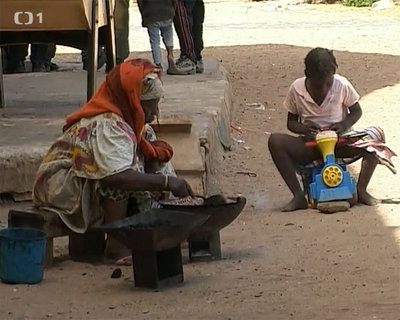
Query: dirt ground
[[302, 265]]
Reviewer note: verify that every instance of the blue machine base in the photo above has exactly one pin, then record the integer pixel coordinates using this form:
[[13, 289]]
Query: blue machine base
[[322, 193]]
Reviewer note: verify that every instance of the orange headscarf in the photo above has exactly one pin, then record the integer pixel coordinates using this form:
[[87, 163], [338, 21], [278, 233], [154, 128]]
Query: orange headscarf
[[120, 94]]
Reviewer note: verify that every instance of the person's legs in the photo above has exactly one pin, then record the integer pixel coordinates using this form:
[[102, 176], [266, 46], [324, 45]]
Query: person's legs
[[4, 58], [113, 211], [182, 28], [15, 58], [168, 39], [154, 36], [38, 57], [197, 31], [368, 166], [121, 20], [50, 53], [286, 152], [189, 6]]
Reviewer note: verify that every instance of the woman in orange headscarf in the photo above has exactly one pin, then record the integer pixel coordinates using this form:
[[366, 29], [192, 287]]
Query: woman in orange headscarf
[[107, 153]]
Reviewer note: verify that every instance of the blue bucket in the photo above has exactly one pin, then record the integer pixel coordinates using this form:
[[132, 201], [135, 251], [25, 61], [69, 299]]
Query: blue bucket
[[22, 253]]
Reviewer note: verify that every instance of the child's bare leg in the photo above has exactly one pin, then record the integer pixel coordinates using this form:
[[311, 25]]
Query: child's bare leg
[[368, 166], [286, 151]]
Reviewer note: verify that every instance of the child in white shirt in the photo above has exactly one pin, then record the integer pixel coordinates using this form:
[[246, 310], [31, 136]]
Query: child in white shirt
[[320, 100]]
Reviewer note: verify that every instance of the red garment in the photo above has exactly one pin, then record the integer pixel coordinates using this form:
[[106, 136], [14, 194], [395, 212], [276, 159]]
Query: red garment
[[120, 94]]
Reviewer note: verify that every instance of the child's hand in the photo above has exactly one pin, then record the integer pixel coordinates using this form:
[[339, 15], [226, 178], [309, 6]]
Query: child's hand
[[339, 127], [311, 129]]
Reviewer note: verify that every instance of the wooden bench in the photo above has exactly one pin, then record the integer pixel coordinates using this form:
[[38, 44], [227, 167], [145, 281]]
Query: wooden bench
[[82, 247], [73, 23]]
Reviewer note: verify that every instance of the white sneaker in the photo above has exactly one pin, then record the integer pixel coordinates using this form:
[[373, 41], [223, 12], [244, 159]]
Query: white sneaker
[[186, 65]]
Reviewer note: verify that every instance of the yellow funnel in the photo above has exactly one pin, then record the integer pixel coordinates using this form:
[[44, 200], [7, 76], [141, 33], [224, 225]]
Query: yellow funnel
[[326, 142]]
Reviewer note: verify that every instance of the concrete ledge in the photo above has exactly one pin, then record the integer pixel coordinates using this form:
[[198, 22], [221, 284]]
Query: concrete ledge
[[18, 168], [38, 103]]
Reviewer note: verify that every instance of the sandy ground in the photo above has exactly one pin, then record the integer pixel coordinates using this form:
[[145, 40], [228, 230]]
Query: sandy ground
[[301, 265]]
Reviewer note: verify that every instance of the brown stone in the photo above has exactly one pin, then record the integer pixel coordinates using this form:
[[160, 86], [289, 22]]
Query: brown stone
[[333, 207]]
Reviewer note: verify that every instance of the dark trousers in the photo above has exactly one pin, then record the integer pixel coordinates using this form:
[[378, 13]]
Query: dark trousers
[[198, 14], [183, 30], [121, 26], [14, 55], [195, 15], [41, 54]]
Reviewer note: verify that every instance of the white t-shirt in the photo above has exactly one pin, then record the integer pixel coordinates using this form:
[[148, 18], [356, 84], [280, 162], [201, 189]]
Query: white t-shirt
[[333, 109]]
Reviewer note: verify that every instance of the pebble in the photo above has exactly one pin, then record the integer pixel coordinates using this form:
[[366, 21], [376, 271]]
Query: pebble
[[116, 274]]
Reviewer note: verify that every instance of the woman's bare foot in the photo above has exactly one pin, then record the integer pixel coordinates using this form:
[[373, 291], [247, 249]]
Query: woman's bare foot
[[365, 198], [297, 203], [117, 253]]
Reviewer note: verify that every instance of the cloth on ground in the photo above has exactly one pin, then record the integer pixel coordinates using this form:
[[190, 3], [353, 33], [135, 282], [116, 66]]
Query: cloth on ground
[[373, 140]]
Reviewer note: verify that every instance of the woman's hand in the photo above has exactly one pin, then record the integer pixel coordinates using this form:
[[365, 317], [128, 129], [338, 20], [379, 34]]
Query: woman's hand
[[179, 187]]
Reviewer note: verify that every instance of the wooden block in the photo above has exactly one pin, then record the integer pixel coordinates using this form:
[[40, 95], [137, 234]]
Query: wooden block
[[83, 247], [187, 157], [49, 254], [173, 125]]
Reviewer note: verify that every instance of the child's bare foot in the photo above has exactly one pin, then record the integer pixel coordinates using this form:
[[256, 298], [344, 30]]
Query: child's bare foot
[[353, 201], [365, 198], [297, 203]]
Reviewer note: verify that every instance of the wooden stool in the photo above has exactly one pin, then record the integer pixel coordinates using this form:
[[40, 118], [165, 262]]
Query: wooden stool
[[81, 246], [157, 268], [205, 247]]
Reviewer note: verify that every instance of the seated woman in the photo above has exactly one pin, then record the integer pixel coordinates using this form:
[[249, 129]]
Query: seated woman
[[107, 155], [324, 100]]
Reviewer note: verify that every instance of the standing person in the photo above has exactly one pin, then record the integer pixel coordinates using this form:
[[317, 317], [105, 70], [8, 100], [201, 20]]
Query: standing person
[[13, 58], [187, 59], [157, 17], [198, 13], [121, 26], [192, 48], [41, 55], [50, 54], [324, 100]]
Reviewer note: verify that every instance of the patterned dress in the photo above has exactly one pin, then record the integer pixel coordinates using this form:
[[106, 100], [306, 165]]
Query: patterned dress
[[68, 181]]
